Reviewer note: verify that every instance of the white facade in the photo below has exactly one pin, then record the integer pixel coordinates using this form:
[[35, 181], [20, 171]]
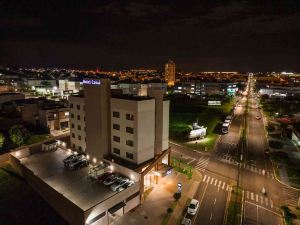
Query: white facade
[[133, 129], [77, 123]]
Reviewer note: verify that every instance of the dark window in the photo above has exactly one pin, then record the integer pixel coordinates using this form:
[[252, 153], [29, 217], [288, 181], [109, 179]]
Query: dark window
[[116, 138], [74, 146], [78, 107], [129, 130], [72, 125], [73, 135], [129, 143], [116, 114], [129, 116], [117, 151], [116, 126], [129, 155], [78, 117], [72, 115], [71, 105], [80, 148], [79, 137], [79, 127]]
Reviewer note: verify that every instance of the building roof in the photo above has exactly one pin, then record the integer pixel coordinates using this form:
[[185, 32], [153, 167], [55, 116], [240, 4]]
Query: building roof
[[132, 97]]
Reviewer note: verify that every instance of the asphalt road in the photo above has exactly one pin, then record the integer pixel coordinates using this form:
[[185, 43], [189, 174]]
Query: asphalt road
[[254, 173]]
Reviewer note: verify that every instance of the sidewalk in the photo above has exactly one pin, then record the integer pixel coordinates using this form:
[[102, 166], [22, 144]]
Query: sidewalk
[[189, 189], [154, 208]]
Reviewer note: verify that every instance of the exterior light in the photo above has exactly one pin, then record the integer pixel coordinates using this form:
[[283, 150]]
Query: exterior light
[[87, 157], [94, 160], [17, 154]]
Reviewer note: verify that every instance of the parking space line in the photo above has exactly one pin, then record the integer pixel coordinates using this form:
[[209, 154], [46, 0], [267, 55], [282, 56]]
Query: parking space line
[[223, 186], [216, 181], [204, 178], [212, 180], [252, 196], [256, 197]]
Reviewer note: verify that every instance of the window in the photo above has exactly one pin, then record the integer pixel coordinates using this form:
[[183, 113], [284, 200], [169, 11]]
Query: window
[[116, 126], [78, 117], [116, 114], [129, 143], [73, 135], [129, 155], [79, 127], [79, 137], [71, 105], [78, 107], [129, 130], [74, 146], [72, 115], [72, 125], [80, 148], [116, 139], [116, 151], [129, 116]]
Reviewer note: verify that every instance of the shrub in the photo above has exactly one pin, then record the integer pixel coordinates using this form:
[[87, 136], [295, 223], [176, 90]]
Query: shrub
[[177, 196]]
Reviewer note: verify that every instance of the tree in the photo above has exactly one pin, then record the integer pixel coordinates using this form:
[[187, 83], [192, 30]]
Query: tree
[[18, 134], [1, 140]]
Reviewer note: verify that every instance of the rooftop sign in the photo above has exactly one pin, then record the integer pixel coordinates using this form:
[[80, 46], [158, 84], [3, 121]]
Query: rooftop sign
[[95, 82]]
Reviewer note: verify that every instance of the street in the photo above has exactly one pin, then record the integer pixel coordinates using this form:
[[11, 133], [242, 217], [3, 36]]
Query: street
[[223, 169]]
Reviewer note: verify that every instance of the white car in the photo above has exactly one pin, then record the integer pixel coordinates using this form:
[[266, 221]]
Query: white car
[[126, 185], [120, 182], [110, 180], [186, 221], [193, 207]]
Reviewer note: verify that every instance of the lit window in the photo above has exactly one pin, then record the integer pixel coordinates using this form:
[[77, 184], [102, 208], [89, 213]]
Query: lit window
[[67, 113], [116, 126], [116, 114], [116, 139]]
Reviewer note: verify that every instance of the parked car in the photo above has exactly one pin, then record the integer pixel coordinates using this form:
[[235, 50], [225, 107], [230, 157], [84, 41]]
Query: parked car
[[78, 163], [126, 185], [193, 207], [121, 181], [110, 180], [103, 176], [73, 157], [81, 163]]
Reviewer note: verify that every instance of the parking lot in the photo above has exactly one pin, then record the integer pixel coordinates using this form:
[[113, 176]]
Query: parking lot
[[73, 184]]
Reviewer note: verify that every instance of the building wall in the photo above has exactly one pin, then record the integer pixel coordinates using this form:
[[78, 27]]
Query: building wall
[[97, 113], [77, 126], [170, 72], [143, 128]]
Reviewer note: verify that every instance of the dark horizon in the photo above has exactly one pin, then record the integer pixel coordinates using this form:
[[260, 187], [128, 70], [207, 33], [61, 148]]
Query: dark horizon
[[114, 35]]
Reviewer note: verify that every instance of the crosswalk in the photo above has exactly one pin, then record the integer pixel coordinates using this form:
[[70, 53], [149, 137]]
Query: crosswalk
[[291, 197], [201, 163], [226, 159], [216, 182], [260, 171], [259, 199]]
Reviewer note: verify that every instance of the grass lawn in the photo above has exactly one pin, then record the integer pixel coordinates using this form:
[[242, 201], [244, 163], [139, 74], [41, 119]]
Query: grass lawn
[[20, 204], [184, 112], [36, 138], [294, 175]]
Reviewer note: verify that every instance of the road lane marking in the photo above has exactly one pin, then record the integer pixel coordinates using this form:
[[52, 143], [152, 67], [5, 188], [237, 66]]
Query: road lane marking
[[271, 204], [261, 200], [191, 161], [210, 216], [251, 203], [207, 179], [216, 181], [256, 198], [204, 178], [223, 186], [252, 196], [247, 194], [219, 184], [212, 180], [215, 201]]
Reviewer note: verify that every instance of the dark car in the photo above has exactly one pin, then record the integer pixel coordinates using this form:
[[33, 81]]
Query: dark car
[[81, 163], [103, 176]]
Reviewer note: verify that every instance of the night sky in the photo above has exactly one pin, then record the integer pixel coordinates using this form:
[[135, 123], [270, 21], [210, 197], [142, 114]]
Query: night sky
[[203, 35]]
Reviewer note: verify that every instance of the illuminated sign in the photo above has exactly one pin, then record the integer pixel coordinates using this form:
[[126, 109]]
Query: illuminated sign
[[214, 102], [95, 82]]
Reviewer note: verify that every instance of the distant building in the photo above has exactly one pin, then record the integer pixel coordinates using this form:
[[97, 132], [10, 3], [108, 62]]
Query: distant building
[[10, 96], [170, 72]]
